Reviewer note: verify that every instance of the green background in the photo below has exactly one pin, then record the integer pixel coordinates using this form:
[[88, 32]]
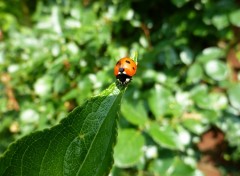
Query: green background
[[179, 115]]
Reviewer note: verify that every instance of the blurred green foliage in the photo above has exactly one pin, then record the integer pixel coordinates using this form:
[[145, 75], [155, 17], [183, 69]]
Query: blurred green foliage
[[55, 54]]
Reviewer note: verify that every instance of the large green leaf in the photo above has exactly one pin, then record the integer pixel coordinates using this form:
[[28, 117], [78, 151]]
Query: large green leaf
[[159, 100], [234, 96], [179, 167], [165, 136], [129, 148], [200, 96], [135, 114], [217, 70], [195, 73], [193, 125], [168, 56], [173, 167], [82, 144], [179, 3], [220, 21], [186, 56], [210, 53], [234, 17], [161, 166]]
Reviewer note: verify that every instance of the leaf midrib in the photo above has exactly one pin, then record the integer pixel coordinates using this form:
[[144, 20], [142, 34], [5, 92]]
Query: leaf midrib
[[86, 156]]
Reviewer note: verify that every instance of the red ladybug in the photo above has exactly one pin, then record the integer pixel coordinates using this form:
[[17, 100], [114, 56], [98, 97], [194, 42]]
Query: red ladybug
[[124, 70]]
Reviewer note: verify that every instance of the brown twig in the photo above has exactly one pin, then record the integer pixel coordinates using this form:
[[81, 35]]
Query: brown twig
[[12, 102]]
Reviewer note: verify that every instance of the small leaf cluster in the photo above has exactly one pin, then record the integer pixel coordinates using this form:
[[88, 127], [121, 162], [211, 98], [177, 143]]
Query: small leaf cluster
[[56, 54]]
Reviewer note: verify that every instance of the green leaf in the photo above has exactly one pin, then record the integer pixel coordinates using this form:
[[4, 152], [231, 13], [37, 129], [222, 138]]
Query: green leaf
[[210, 115], [186, 56], [164, 136], [168, 56], [234, 95], [82, 144], [60, 83], [43, 86], [159, 100], [129, 148], [219, 100], [135, 56], [29, 116], [195, 73], [161, 166], [179, 167], [200, 96], [220, 21], [56, 20], [210, 53], [194, 125], [179, 3], [234, 17], [173, 167], [135, 114], [217, 70]]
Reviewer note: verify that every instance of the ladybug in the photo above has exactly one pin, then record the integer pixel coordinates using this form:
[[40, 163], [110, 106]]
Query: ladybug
[[124, 70]]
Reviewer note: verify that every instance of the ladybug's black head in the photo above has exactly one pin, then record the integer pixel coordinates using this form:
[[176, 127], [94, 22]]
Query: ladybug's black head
[[123, 78]]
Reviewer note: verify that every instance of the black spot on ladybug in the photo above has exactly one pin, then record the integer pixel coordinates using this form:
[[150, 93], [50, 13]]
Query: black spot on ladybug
[[127, 61], [133, 68]]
